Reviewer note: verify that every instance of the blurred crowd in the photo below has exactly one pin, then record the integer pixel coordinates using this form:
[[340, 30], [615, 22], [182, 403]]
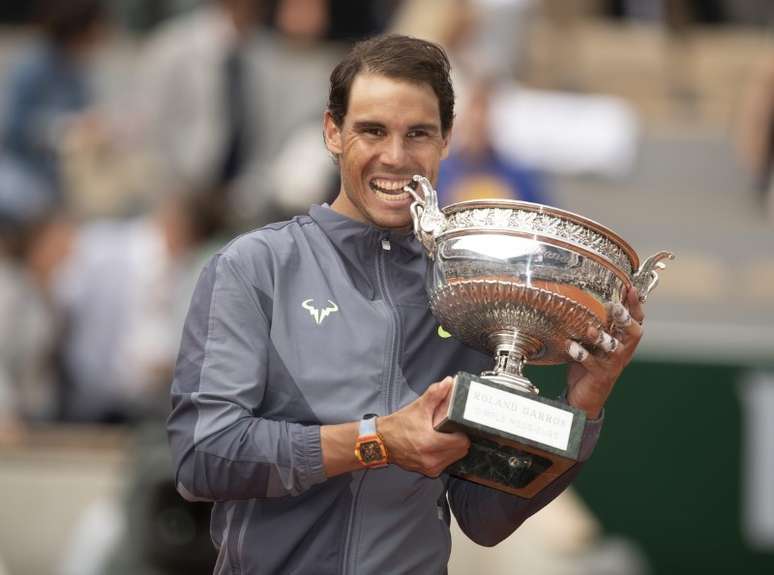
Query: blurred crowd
[[115, 187], [108, 205]]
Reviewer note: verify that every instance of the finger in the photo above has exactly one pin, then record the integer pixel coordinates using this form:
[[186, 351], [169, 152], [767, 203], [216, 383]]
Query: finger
[[437, 392], [635, 305], [581, 355], [606, 342], [602, 340], [624, 324], [441, 411], [621, 316]]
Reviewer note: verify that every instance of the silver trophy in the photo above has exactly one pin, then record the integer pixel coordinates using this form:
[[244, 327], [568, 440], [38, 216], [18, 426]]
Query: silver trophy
[[517, 280]]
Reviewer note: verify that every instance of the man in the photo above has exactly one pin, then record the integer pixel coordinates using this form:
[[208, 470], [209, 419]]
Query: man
[[298, 330], [193, 99]]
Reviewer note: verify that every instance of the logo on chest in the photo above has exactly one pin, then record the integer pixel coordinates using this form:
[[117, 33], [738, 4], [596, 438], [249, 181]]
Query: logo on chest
[[318, 314], [442, 333]]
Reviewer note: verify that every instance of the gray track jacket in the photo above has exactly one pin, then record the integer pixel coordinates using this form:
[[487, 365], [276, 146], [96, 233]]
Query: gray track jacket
[[316, 321]]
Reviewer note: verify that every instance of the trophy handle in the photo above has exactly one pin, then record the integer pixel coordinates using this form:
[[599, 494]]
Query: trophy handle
[[429, 221], [646, 278]]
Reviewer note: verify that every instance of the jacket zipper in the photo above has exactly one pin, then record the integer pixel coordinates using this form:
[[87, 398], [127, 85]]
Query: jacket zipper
[[384, 246], [381, 276]]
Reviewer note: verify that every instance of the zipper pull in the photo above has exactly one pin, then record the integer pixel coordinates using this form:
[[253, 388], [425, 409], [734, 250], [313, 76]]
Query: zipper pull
[[386, 245]]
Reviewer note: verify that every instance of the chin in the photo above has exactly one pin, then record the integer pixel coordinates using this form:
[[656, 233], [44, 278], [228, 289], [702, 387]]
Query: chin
[[393, 221]]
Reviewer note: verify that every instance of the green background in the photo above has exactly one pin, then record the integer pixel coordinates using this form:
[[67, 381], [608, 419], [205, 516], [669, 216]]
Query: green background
[[667, 471]]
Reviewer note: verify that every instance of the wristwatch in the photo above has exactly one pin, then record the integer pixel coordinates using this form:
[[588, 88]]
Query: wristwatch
[[369, 447]]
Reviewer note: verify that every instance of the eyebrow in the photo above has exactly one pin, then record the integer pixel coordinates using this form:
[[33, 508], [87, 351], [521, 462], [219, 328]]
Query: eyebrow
[[431, 128], [365, 125]]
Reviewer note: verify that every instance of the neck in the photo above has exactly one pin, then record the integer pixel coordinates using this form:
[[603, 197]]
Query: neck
[[343, 206]]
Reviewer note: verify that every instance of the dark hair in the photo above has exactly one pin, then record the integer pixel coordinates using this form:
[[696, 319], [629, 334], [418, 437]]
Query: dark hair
[[399, 57], [63, 21]]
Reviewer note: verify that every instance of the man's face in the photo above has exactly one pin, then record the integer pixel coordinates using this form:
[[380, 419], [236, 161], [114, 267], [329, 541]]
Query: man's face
[[392, 130]]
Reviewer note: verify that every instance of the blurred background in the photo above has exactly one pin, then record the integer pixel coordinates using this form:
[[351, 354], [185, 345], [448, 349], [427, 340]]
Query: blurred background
[[137, 136]]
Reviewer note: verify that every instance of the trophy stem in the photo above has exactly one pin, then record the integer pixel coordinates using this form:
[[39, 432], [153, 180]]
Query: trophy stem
[[511, 352]]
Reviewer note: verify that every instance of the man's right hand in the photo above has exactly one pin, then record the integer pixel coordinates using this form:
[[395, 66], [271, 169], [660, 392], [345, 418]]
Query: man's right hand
[[413, 443]]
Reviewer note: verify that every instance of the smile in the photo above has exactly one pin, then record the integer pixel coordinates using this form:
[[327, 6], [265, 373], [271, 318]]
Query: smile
[[391, 190]]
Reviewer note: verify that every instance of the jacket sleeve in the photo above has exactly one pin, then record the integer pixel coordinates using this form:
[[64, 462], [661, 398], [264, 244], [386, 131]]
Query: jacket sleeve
[[488, 516], [221, 449]]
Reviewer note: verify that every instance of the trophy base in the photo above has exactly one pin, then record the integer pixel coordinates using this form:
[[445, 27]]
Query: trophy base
[[520, 442]]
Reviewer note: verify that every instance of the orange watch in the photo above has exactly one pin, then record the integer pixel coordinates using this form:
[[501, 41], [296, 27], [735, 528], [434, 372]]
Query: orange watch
[[369, 447]]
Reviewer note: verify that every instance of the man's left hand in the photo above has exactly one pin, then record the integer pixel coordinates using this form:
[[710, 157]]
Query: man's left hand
[[591, 376]]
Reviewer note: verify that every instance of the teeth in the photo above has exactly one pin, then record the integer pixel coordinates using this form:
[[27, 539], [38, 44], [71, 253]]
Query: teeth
[[389, 186], [391, 197]]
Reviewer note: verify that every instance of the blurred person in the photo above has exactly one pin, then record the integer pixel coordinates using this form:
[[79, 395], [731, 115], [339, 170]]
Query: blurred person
[[49, 91], [197, 107], [120, 294], [210, 139], [220, 96], [305, 29], [474, 169], [284, 345], [33, 241], [301, 20], [331, 20]]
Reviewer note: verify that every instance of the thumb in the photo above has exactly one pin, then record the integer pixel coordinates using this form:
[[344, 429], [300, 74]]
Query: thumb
[[437, 393]]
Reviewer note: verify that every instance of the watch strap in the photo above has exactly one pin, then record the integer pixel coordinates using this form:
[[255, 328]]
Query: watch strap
[[367, 426], [369, 448]]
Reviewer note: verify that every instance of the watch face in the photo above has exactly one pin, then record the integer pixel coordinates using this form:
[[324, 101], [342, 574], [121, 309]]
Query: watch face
[[371, 451]]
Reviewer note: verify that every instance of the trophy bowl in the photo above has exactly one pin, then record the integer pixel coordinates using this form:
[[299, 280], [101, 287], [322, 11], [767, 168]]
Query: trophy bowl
[[517, 280]]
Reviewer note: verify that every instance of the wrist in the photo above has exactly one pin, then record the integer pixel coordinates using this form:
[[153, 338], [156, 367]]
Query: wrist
[[387, 426], [370, 449]]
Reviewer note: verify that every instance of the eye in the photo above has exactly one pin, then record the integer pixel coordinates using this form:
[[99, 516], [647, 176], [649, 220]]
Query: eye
[[375, 131], [415, 134]]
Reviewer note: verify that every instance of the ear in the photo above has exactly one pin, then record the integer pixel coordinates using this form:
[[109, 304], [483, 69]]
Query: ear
[[332, 134], [446, 141]]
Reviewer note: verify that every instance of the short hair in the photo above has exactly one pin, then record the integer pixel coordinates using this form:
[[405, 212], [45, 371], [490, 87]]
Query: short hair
[[399, 57]]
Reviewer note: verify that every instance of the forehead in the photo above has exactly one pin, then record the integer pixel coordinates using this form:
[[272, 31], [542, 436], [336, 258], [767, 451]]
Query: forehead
[[378, 98]]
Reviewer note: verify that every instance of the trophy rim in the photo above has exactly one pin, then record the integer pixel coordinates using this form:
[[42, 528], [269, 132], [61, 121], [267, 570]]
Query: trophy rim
[[542, 208], [558, 242]]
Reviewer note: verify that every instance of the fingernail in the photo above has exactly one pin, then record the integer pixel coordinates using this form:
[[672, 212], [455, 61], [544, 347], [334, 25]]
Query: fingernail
[[621, 315], [577, 352]]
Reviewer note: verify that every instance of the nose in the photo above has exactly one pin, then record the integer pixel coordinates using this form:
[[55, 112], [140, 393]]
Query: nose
[[393, 152]]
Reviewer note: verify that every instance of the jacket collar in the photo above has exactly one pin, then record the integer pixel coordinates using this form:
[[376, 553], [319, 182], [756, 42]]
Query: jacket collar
[[358, 243]]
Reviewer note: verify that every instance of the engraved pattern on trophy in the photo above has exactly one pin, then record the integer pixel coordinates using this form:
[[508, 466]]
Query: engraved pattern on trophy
[[480, 308], [539, 223]]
